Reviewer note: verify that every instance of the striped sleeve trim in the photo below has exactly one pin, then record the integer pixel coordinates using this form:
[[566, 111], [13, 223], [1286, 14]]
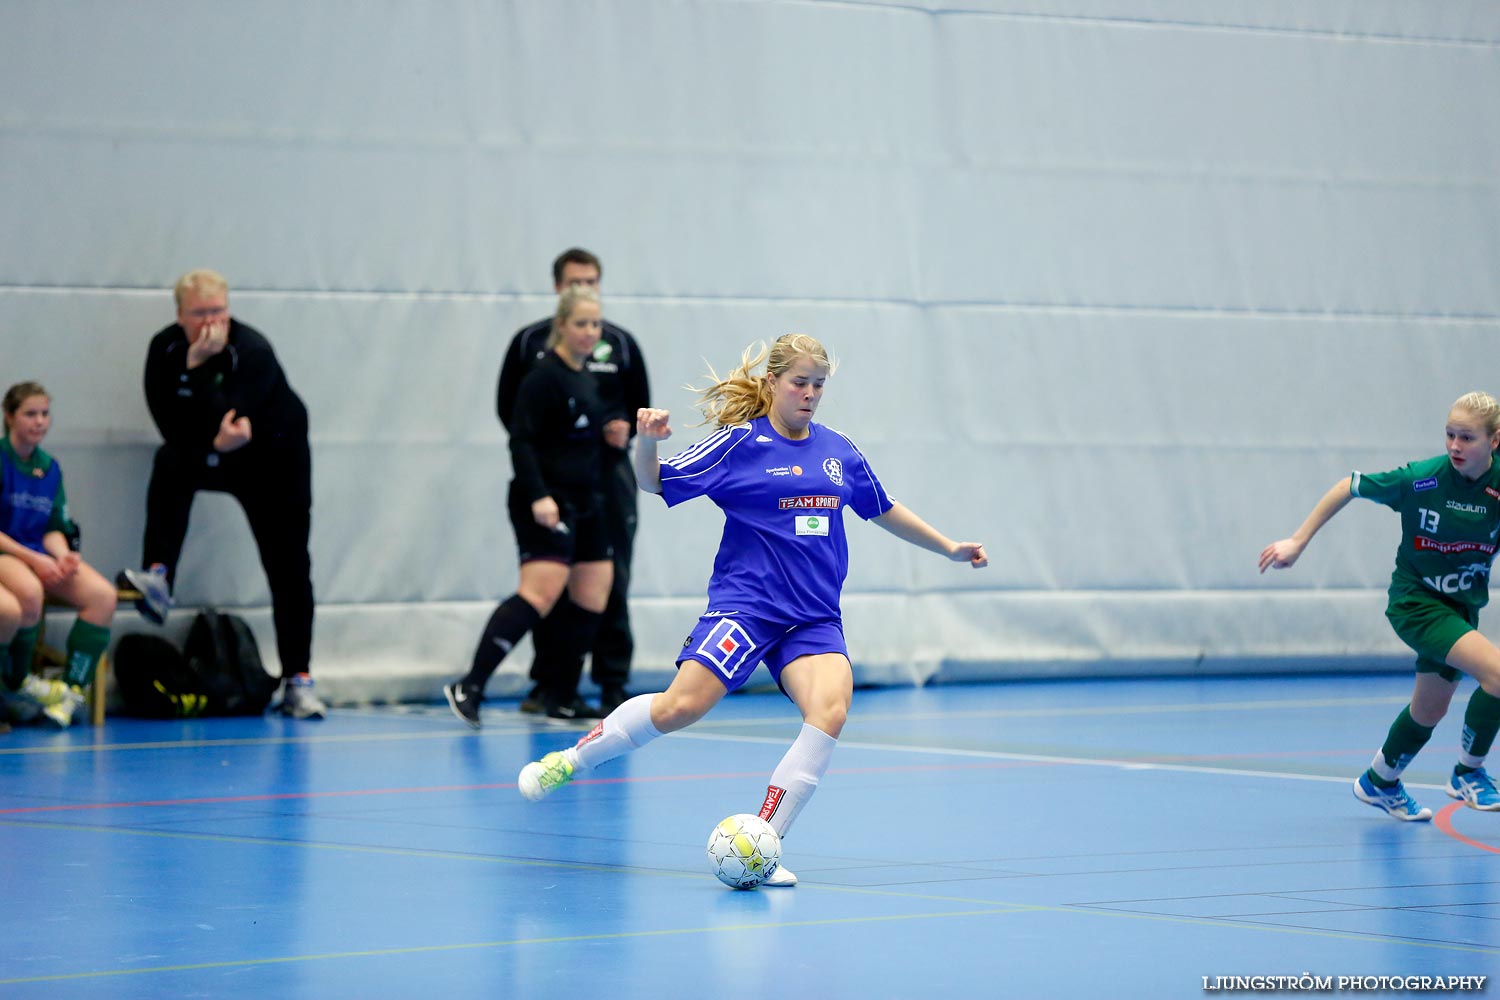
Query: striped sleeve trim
[[706, 454], [1354, 478]]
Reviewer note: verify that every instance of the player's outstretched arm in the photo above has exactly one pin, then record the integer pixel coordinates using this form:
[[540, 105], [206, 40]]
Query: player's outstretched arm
[[651, 426], [907, 526], [1280, 555]]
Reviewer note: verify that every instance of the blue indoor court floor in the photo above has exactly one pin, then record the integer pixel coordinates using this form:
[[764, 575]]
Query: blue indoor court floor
[[1110, 838]]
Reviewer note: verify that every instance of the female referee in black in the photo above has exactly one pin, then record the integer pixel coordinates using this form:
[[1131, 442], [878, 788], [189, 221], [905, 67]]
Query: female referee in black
[[557, 450]]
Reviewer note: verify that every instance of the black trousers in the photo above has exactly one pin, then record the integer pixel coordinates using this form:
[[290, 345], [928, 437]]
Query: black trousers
[[614, 645], [274, 488]]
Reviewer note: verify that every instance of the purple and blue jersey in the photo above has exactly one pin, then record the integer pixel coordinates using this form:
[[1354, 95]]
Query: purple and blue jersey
[[32, 499], [783, 555]]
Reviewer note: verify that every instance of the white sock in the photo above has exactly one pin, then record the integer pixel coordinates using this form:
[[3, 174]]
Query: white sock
[[1386, 771], [625, 729], [1469, 760], [797, 777]]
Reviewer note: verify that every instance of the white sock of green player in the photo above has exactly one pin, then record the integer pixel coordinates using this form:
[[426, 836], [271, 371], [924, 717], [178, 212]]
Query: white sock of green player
[[797, 777], [625, 729]]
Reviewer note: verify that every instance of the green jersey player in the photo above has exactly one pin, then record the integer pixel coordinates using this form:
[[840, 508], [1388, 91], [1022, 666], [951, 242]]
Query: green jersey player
[[1450, 525]]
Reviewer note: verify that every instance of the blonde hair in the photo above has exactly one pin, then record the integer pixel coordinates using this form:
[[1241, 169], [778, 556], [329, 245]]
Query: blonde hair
[[742, 395], [566, 303], [199, 282], [1483, 406]]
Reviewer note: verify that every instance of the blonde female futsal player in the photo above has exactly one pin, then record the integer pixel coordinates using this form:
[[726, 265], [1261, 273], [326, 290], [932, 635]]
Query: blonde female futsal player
[[783, 483], [1450, 520]]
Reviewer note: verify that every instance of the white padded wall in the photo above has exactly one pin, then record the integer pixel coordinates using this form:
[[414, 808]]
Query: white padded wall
[[1118, 287]]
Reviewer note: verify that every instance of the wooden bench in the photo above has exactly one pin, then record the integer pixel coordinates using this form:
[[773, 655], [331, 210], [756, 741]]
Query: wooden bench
[[48, 657]]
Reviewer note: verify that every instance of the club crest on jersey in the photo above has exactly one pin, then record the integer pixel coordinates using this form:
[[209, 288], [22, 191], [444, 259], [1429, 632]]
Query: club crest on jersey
[[1430, 483], [834, 470]]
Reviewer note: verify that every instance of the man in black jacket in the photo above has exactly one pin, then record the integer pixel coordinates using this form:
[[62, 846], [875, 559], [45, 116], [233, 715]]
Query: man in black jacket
[[230, 423], [620, 368]]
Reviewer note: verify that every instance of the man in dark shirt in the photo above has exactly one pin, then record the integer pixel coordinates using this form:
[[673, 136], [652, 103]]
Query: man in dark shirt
[[620, 369], [230, 423]]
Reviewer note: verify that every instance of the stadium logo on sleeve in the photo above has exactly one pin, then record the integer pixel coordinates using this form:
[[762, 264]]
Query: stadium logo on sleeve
[[1492, 492], [1430, 483]]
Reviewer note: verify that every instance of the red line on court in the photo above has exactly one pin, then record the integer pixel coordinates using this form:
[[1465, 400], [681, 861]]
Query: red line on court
[[1444, 821], [284, 796]]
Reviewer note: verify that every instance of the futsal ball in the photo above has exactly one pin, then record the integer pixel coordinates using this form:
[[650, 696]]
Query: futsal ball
[[743, 851]]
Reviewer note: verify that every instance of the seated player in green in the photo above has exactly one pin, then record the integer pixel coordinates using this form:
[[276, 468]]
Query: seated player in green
[[1450, 523], [37, 561]]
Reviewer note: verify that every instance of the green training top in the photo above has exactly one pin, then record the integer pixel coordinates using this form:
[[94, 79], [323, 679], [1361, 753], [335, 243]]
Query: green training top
[[1449, 527]]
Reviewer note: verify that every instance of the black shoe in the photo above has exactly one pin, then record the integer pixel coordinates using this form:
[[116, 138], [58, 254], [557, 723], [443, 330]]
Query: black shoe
[[532, 704], [464, 699], [576, 710], [612, 698]]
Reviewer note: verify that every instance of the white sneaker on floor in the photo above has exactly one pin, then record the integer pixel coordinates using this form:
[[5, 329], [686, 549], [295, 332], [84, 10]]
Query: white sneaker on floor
[[44, 690], [64, 712], [781, 878], [299, 700]]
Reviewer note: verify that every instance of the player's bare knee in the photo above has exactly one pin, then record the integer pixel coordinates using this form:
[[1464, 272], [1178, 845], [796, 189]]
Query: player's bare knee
[[1490, 681], [542, 601], [30, 601], [101, 604], [829, 717], [671, 711], [1486, 670], [1427, 713]]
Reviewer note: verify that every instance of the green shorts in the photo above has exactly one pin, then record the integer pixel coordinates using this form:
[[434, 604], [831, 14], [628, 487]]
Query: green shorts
[[1431, 626]]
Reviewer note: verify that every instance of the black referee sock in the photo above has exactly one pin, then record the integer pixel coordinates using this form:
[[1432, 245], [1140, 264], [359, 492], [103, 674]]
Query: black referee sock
[[510, 622], [574, 637]]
